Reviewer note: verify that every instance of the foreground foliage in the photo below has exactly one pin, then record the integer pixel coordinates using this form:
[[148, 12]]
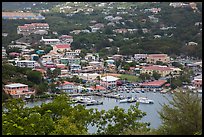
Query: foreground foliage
[[183, 116], [61, 118]]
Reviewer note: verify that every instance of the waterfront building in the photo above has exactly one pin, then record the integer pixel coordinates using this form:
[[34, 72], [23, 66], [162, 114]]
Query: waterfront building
[[154, 84], [18, 90], [109, 81], [67, 86]]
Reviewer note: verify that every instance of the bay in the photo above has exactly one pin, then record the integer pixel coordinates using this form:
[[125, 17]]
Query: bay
[[151, 110]]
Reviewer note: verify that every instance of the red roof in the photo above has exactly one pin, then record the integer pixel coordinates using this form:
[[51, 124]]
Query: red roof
[[155, 67], [97, 87], [63, 46], [67, 83], [167, 85], [157, 55], [154, 83]]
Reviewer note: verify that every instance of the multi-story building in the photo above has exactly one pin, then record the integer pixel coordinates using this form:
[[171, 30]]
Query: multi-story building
[[18, 90], [197, 81], [140, 56], [153, 58], [67, 87], [70, 61], [32, 28], [61, 48], [4, 54], [163, 70], [50, 41], [25, 63]]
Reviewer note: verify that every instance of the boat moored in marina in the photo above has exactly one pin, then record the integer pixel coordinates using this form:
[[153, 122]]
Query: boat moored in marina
[[145, 100]]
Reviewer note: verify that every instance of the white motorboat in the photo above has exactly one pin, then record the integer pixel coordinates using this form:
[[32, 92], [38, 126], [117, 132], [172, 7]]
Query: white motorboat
[[131, 99], [145, 100], [123, 100], [128, 100]]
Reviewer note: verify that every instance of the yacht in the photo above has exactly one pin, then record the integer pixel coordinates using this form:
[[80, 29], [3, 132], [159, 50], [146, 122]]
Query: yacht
[[145, 100], [128, 100]]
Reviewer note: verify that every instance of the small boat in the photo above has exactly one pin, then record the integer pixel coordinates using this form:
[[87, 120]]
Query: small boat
[[137, 91], [131, 99], [123, 100], [128, 100], [93, 102], [145, 100]]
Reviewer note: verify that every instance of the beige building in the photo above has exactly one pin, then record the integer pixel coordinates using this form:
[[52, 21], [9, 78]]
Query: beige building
[[153, 58], [163, 70]]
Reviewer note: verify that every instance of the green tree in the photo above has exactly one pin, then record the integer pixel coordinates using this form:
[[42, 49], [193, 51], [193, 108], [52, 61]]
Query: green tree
[[41, 88], [183, 116], [144, 76], [35, 77], [116, 121], [156, 75]]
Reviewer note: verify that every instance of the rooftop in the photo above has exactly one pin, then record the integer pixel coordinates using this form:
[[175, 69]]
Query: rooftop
[[154, 83], [63, 46], [14, 85]]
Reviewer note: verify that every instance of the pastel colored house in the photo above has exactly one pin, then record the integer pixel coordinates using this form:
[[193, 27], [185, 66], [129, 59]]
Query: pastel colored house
[[18, 90], [109, 81], [67, 87], [70, 61], [153, 58]]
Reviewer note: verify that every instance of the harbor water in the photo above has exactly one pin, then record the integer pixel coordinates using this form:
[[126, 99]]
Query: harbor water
[[109, 103]]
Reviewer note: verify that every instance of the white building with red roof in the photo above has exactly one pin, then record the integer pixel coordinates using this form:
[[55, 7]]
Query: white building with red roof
[[61, 47], [27, 29], [67, 86]]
